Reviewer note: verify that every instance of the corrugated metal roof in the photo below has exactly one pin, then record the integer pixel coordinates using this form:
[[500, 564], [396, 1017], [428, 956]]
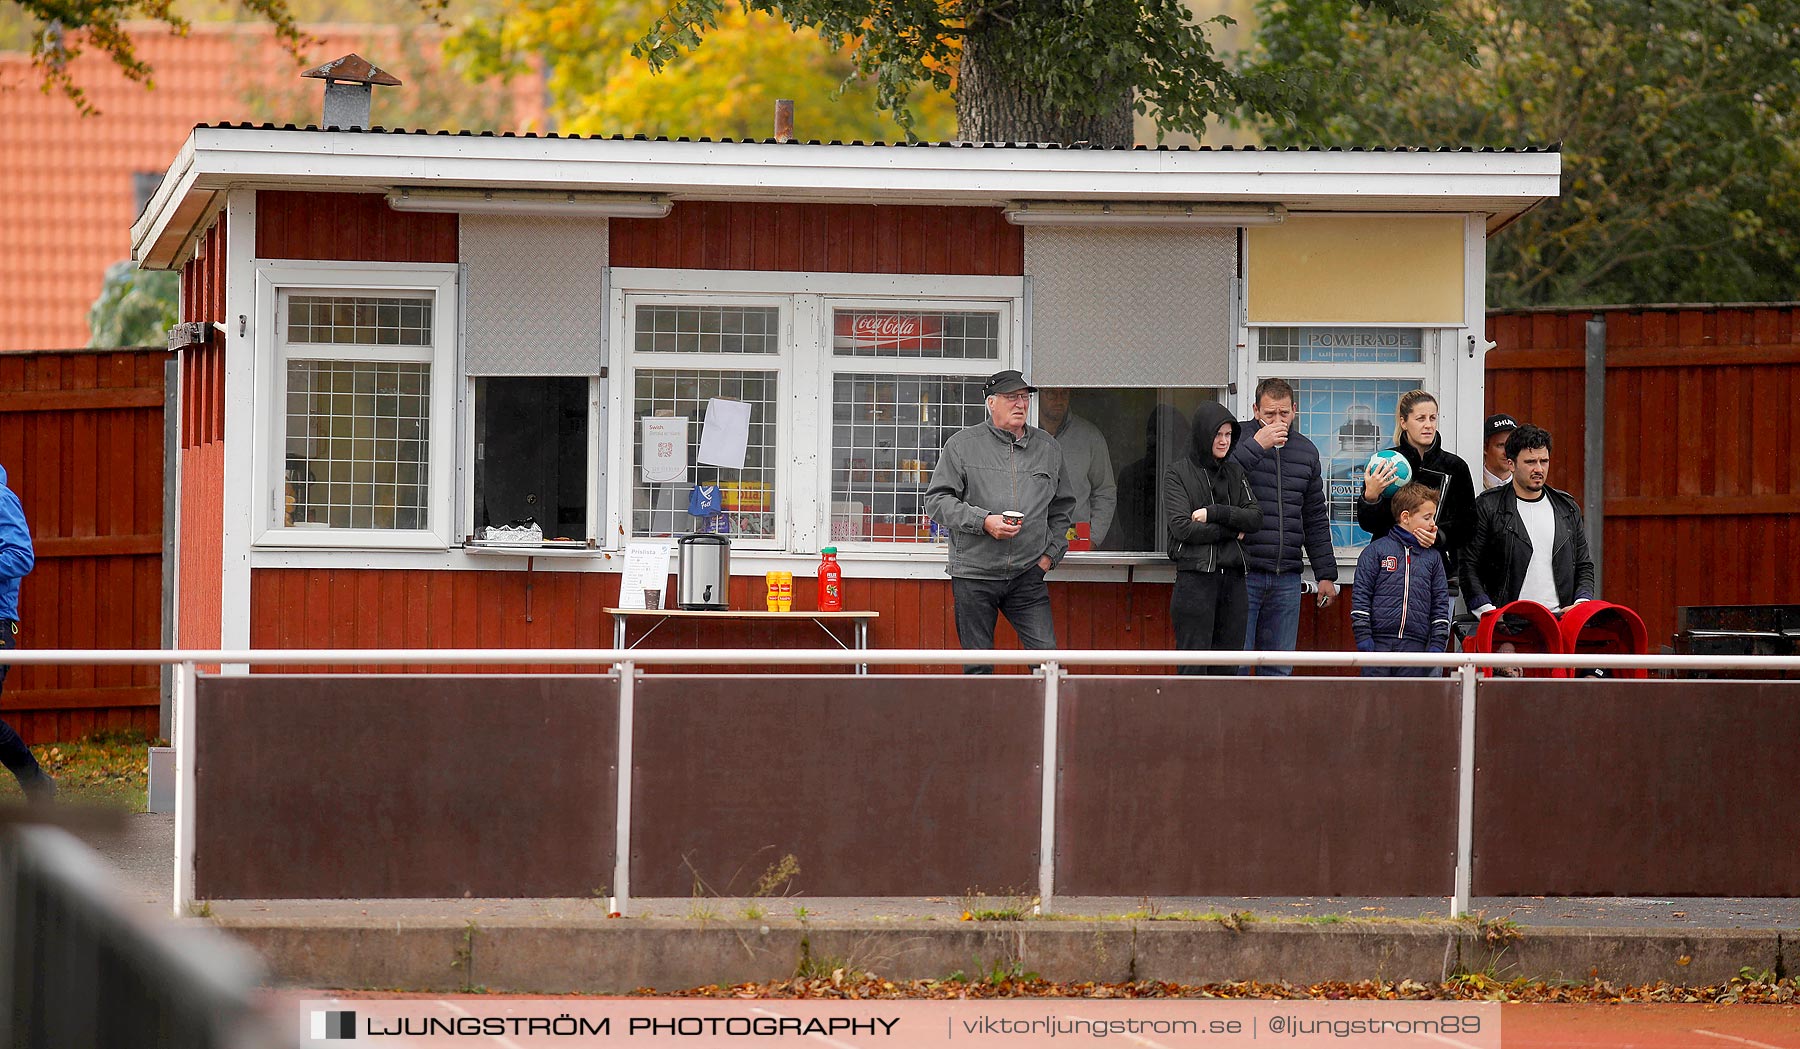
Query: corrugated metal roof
[[1081, 146], [66, 194]]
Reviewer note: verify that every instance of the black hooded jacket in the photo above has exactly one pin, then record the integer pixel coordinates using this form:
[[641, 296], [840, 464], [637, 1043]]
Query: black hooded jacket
[[1455, 515], [1203, 479]]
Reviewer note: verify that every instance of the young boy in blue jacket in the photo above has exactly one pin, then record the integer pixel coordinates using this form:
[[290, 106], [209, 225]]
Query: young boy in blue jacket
[[1401, 599]]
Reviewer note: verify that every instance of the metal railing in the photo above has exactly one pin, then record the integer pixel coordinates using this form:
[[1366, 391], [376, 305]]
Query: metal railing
[[1049, 666], [78, 968]]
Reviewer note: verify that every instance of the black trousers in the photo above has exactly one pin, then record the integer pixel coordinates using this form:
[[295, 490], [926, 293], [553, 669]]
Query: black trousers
[[13, 752], [1209, 610], [1025, 599]]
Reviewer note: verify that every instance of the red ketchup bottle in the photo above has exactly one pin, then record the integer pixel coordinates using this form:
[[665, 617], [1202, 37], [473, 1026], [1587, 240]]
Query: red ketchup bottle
[[831, 581]]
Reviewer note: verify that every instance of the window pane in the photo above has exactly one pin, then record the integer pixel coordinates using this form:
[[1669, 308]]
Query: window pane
[[1349, 419], [1341, 345], [886, 431], [748, 496], [337, 475], [1143, 431], [531, 454], [914, 333], [709, 329], [359, 320]]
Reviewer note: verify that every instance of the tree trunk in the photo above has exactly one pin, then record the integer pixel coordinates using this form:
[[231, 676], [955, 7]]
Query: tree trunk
[[993, 106]]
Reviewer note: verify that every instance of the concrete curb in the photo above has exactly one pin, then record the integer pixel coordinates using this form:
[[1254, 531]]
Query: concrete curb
[[550, 956]]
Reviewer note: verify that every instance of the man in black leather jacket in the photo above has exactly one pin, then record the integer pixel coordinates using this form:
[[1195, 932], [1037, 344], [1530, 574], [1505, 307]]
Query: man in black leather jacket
[[1528, 540]]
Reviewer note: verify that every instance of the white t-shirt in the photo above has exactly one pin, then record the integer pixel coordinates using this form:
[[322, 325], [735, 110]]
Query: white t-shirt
[[1540, 524]]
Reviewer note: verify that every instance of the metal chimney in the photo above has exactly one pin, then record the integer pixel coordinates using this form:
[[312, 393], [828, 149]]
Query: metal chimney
[[348, 81], [784, 119]]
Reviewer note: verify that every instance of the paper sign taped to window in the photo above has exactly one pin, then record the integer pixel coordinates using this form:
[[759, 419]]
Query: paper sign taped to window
[[725, 433], [646, 568], [665, 449]]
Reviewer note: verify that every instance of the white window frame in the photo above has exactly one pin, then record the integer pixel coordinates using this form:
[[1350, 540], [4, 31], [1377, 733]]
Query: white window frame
[[273, 278], [833, 364], [805, 370], [1433, 341], [781, 364]]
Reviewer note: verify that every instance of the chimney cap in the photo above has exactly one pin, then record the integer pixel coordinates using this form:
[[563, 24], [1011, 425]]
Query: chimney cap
[[353, 68]]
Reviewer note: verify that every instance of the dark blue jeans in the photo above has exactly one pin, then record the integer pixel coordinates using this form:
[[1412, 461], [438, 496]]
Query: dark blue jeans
[[1274, 615], [1024, 599], [13, 751]]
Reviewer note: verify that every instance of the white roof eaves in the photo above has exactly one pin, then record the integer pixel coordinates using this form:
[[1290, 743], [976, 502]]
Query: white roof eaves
[[218, 158]]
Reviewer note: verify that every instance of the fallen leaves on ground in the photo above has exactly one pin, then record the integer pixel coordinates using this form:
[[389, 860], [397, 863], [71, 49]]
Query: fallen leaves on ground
[[110, 767], [1474, 987]]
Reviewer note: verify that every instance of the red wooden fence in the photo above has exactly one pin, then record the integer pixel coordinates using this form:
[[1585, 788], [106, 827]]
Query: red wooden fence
[[1702, 484], [81, 436]]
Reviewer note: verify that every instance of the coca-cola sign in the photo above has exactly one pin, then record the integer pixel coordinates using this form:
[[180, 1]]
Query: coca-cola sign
[[890, 333]]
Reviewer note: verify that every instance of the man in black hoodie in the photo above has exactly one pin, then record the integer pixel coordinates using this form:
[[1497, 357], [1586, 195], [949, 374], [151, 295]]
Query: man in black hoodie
[[1208, 508]]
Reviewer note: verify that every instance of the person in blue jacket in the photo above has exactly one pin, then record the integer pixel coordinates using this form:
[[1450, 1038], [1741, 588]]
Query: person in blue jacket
[[16, 562], [1289, 485], [1401, 600]]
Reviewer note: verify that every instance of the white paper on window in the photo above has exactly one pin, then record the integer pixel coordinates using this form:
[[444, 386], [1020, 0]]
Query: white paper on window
[[534, 300], [665, 449], [1130, 306]]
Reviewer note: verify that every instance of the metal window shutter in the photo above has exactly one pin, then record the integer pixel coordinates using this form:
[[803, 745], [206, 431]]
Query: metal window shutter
[[1130, 306], [532, 299]]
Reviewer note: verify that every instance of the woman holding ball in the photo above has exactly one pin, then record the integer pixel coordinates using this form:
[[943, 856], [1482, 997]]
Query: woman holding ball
[[1417, 440]]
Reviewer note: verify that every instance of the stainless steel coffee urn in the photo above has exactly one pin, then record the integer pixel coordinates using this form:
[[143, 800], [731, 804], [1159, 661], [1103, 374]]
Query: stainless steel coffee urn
[[703, 572]]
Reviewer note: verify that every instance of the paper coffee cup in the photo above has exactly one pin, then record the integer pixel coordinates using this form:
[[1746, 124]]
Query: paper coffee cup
[[1013, 516]]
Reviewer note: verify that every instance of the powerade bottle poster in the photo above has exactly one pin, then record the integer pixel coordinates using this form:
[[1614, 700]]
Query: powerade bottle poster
[[1349, 420]]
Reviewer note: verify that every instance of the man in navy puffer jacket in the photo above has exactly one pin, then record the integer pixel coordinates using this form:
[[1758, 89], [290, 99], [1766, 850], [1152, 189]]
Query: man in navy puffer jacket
[[1284, 472]]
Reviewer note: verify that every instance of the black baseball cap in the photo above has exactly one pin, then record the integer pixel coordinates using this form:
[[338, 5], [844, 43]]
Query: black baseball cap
[[1008, 381], [1502, 423]]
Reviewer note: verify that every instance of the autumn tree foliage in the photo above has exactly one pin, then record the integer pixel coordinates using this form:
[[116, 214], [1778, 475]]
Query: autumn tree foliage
[[1034, 70], [725, 89], [1677, 122]]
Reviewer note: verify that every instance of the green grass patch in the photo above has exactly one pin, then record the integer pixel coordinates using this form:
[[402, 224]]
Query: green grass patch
[[107, 768]]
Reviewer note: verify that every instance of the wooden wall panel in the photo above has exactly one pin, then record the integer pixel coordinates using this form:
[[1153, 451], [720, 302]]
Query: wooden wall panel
[[201, 511], [833, 238], [412, 802], [349, 227], [81, 440], [1661, 791], [402, 608], [874, 797], [1702, 488], [1204, 787]]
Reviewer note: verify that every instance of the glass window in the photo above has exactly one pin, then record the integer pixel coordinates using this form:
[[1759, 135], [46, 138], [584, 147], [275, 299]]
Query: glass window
[[358, 436], [747, 497], [886, 431], [1341, 345], [357, 431], [359, 320], [928, 334], [708, 329], [531, 455], [1141, 432]]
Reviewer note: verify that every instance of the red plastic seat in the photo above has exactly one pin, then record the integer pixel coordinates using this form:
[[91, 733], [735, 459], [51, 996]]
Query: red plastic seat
[[1535, 631], [1603, 628]]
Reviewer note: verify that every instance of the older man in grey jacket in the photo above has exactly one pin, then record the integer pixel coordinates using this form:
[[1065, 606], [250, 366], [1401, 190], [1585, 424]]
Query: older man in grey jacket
[[1000, 492]]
